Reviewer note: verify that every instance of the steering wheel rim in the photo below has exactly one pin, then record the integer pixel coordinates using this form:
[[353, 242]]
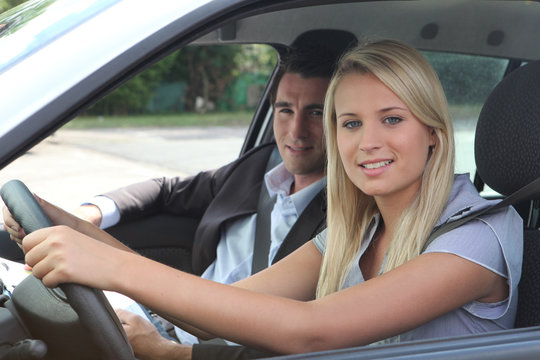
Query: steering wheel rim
[[94, 312]]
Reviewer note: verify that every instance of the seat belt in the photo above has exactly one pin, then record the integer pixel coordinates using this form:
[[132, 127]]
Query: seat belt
[[261, 245], [531, 190]]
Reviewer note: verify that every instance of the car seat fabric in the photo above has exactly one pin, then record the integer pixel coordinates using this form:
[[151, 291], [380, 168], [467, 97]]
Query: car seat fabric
[[507, 142], [507, 152]]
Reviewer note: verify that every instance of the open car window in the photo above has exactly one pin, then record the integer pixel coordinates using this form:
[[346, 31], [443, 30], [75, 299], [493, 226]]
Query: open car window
[[187, 113], [159, 119]]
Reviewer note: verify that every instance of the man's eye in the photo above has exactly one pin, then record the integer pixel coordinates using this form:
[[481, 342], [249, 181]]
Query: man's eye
[[316, 113], [286, 111], [352, 124], [393, 120]]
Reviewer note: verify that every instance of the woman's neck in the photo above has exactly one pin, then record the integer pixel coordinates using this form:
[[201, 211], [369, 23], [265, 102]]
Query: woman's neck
[[392, 206]]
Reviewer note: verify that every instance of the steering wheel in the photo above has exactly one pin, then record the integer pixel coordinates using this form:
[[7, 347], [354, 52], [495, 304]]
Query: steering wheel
[[75, 321]]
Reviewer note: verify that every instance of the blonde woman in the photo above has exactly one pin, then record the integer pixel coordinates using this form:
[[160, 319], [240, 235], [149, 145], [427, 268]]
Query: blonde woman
[[366, 278]]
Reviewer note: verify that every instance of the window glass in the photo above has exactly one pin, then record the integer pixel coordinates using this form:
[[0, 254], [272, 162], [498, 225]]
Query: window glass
[[467, 81]]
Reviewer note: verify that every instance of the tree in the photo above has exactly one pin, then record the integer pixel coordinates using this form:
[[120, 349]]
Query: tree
[[207, 70], [132, 97], [208, 73]]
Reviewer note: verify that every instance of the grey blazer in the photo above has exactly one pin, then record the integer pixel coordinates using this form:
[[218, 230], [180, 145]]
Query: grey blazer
[[215, 197]]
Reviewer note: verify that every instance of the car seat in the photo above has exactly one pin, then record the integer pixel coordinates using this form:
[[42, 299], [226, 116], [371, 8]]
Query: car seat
[[507, 152]]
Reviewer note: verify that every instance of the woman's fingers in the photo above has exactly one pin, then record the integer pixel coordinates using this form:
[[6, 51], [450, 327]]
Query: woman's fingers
[[59, 254], [39, 256], [15, 231]]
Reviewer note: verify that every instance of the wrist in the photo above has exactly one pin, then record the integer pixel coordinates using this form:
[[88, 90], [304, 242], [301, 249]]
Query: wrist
[[176, 351], [164, 349]]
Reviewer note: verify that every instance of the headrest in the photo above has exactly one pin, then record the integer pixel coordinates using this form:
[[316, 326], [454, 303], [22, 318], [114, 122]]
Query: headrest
[[507, 140], [325, 42]]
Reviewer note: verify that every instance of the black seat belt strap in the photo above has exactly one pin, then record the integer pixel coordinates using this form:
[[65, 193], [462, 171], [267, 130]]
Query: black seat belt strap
[[527, 192], [261, 245]]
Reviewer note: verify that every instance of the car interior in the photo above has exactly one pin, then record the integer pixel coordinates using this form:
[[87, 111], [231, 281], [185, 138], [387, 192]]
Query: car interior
[[504, 133], [505, 151]]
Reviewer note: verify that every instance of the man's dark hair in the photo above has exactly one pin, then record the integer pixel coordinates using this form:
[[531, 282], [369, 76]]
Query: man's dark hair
[[313, 54], [303, 64]]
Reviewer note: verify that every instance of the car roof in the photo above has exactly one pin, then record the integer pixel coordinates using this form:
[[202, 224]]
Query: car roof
[[488, 28]]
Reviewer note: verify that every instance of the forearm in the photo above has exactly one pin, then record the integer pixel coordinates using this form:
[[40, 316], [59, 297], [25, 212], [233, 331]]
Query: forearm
[[201, 334], [169, 350], [183, 197], [147, 342], [228, 312], [93, 231]]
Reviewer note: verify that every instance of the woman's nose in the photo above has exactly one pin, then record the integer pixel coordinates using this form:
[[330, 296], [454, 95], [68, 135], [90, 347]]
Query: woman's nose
[[369, 137]]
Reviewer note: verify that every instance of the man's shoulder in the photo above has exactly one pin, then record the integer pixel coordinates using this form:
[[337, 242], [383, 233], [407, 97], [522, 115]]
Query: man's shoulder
[[255, 158], [248, 168], [260, 150]]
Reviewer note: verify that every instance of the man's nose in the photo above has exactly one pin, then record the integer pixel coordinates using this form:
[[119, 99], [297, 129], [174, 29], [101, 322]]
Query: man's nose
[[298, 126]]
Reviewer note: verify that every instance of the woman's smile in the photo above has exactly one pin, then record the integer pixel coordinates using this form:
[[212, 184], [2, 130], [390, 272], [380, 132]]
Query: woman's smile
[[376, 167]]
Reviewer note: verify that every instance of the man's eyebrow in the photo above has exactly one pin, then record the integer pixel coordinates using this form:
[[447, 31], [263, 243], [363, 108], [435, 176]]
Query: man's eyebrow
[[282, 104], [314, 106]]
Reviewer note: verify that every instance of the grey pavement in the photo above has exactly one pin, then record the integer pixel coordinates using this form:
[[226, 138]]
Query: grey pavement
[[72, 165]]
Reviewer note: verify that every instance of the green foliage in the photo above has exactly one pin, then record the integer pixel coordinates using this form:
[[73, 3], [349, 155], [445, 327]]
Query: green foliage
[[208, 72], [132, 97]]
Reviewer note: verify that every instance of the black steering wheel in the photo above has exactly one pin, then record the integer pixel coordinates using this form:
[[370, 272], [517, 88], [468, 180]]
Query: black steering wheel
[[74, 321]]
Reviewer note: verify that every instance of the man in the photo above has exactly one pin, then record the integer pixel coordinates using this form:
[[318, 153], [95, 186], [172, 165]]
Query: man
[[232, 191], [226, 200]]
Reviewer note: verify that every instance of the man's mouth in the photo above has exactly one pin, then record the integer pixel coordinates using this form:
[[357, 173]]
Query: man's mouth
[[299, 148], [376, 165]]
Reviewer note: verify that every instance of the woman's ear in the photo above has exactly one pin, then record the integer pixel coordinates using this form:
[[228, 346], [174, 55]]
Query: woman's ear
[[432, 138]]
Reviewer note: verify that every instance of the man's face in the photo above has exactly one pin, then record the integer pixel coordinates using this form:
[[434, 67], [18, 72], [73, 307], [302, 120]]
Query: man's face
[[298, 125]]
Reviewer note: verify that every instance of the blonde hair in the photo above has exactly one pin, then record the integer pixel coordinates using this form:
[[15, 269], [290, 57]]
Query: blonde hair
[[410, 76]]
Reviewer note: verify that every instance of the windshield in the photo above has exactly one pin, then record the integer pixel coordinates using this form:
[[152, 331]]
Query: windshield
[[20, 37]]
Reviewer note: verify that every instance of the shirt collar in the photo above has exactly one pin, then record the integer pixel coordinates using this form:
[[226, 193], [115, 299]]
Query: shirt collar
[[279, 180]]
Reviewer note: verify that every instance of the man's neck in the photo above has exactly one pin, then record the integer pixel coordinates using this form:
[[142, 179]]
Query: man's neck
[[303, 181]]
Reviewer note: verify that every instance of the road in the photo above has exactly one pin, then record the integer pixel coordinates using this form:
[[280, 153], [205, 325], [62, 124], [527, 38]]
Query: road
[[73, 165]]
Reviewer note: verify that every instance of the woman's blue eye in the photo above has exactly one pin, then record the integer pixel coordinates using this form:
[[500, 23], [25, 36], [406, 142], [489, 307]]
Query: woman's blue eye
[[352, 124], [393, 120]]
